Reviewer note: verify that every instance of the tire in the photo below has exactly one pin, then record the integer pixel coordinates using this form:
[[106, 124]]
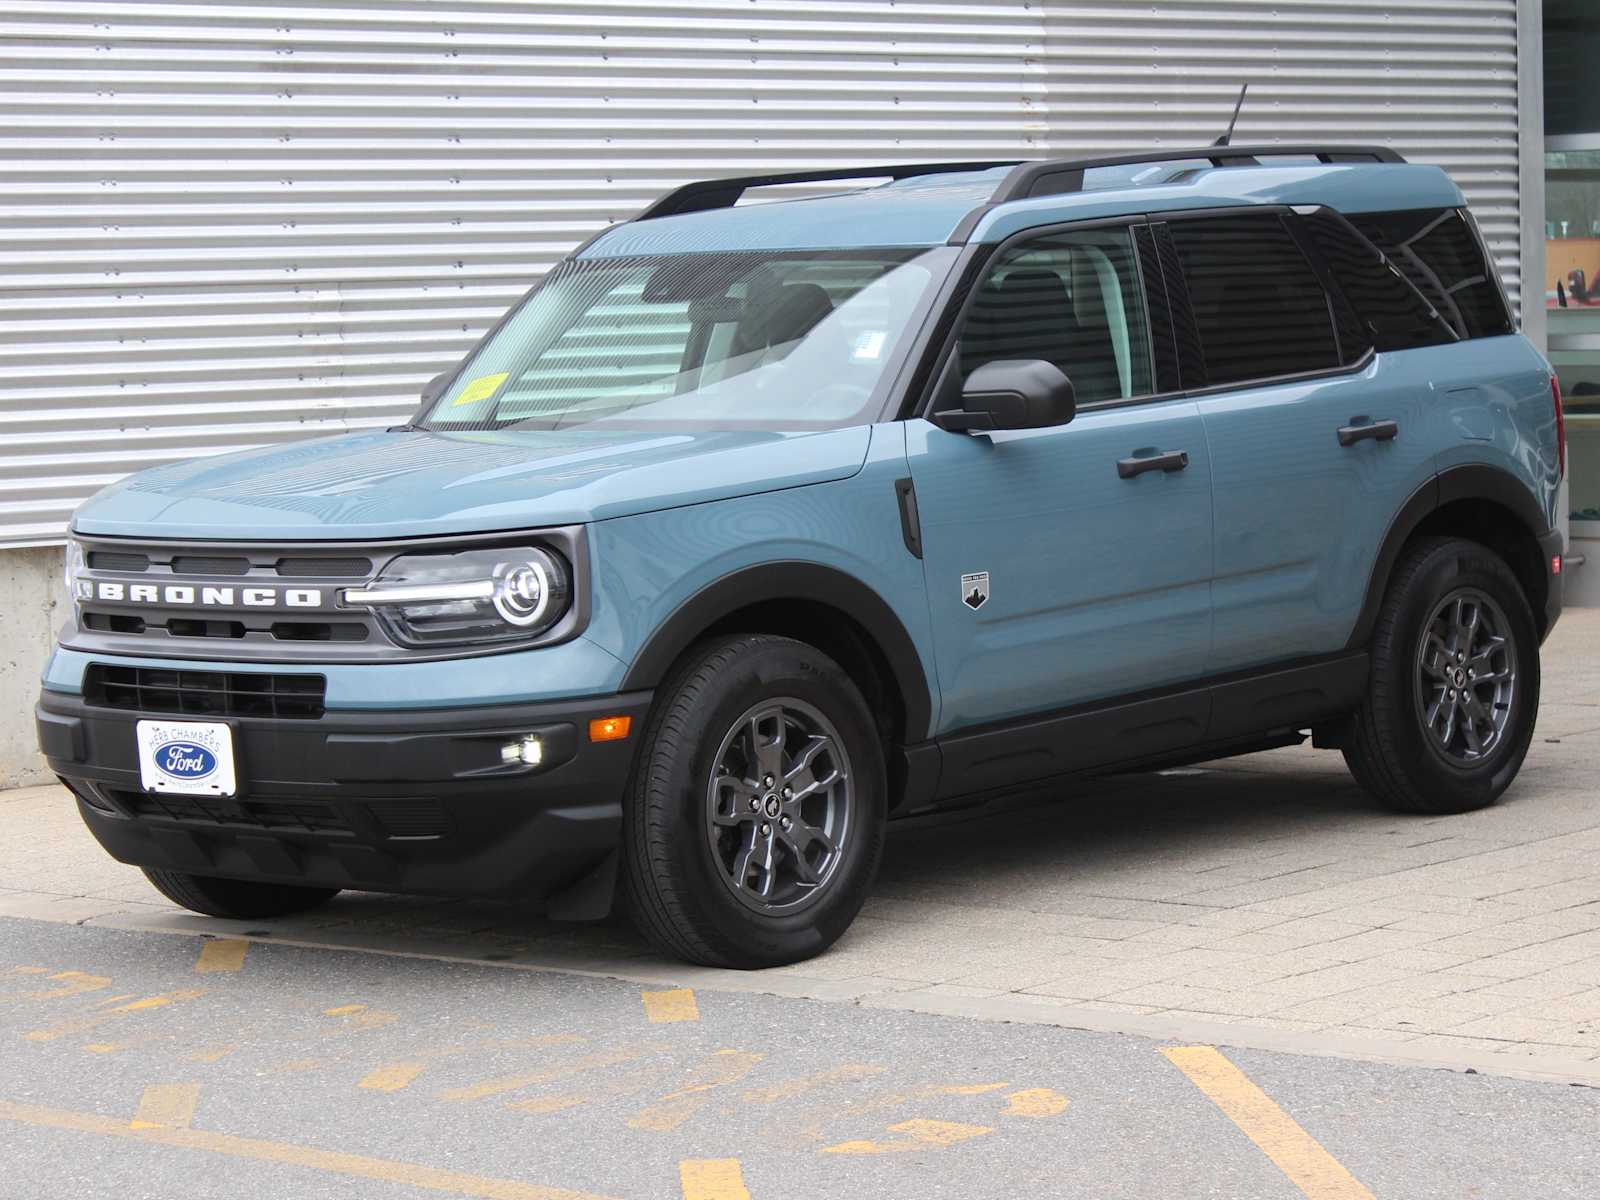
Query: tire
[[1398, 749], [701, 880], [239, 899]]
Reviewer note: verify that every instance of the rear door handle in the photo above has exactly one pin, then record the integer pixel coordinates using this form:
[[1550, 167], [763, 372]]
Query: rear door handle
[[1171, 460], [1378, 431]]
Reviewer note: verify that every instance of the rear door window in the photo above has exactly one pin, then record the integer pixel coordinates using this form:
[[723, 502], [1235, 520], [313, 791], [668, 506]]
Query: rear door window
[[1439, 252], [1258, 306]]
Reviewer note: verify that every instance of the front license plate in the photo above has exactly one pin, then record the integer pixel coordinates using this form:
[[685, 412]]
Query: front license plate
[[192, 757]]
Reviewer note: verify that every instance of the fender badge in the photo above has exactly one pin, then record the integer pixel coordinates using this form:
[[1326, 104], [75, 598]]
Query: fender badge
[[975, 589]]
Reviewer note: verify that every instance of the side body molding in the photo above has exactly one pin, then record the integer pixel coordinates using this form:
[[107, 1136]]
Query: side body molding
[[791, 581]]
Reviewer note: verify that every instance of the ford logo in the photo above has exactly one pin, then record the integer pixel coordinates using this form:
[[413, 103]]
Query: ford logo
[[185, 760]]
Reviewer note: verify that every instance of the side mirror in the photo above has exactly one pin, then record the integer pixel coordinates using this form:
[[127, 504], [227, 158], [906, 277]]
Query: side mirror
[[1012, 393], [435, 387]]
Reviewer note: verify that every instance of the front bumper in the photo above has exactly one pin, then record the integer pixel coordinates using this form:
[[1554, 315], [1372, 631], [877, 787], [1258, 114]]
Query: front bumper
[[413, 801]]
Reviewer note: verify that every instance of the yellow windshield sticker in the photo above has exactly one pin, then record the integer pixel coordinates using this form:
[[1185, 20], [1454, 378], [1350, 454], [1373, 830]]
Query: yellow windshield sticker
[[480, 388]]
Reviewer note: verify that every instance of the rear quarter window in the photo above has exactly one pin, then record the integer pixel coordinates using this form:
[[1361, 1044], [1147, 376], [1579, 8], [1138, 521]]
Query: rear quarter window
[[1391, 312], [1439, 252]]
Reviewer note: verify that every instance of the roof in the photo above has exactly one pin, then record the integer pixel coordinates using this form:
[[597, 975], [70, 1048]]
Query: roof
[[959, 205]]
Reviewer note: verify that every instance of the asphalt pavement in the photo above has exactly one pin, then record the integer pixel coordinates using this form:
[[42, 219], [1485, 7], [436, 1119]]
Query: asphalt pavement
[[145, 1065]]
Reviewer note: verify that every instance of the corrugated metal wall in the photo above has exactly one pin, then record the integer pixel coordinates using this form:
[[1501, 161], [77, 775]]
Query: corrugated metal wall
[[1436, 79], [232, 224]]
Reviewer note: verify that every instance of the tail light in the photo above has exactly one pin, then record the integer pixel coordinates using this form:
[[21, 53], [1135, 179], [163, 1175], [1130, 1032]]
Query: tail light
[[1561, 427]]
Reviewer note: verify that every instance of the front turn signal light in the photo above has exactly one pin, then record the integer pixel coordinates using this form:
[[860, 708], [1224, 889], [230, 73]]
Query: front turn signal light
[[609, 729]]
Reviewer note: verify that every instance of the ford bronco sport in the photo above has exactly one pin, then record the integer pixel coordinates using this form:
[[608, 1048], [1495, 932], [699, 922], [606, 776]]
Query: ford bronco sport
[[752, 526]]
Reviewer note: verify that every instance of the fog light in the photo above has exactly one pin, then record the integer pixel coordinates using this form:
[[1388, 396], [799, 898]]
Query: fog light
[[529, 750]]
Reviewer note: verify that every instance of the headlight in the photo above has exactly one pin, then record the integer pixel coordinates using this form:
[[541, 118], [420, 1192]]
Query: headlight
[[474, 597], [72, 566]]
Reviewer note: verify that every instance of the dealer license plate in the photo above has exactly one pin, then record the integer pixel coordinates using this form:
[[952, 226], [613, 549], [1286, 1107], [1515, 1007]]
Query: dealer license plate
[[191, 757]]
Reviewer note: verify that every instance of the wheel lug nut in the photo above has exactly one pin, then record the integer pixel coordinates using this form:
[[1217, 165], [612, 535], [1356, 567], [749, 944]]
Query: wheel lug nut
[[767, 781], [788, 793], [754, 804], [766, 829], [786, 822]]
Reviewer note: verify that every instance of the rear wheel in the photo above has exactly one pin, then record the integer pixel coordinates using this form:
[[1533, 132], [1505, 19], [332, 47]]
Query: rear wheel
[[240, 899], [1454, 690], [755, 818]]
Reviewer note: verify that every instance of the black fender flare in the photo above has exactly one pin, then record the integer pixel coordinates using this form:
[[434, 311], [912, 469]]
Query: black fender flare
[[790, 581], [1472, 481]]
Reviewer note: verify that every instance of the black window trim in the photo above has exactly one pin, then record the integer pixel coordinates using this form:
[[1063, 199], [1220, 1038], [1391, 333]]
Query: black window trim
[[942, 351], [1513, 319]]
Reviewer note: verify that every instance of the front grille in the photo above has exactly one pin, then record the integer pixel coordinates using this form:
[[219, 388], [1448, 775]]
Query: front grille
[[198, 564], [163, 598], [325, 568], [301, 816], [164, 692], [112, 560]]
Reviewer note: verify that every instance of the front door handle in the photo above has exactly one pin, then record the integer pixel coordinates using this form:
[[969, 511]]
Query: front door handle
[[1172, 460], [1378, 431]]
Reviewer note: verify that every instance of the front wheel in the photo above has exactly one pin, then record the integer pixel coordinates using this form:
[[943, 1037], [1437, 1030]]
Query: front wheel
[[1454, 688], [756, 815]]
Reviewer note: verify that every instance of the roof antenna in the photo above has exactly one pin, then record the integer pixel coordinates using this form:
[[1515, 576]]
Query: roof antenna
[[1226, 138]]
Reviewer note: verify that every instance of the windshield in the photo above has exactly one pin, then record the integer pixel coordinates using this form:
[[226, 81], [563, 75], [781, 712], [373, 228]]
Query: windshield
[[791, 340]]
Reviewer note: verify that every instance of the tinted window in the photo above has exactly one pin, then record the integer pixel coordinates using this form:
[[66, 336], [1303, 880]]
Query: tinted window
[[1073, 299], [1258, 306], [1439, 253], [1392, 314]]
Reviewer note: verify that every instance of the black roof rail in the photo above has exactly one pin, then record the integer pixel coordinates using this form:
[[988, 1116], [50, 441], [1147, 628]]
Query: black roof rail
[[724, 193], [1056, 176]]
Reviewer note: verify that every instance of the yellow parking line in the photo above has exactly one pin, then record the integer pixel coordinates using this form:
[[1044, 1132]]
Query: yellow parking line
[[73, 983], [392, 1077], [167, 1104], [1297, 1154], [84, 1024], [914, 1135], [712, 1179], [356, 1166], [222, 954], [159, 1001], [1035, 1102], [676, 1005], [501, 1084]]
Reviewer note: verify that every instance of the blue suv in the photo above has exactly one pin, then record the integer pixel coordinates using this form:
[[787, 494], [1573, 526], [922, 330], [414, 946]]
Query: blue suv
[[753, 526]]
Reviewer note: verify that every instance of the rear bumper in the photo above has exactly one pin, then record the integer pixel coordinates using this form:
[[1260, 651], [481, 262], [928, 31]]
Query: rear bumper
[[414, 801], [1553, 546]]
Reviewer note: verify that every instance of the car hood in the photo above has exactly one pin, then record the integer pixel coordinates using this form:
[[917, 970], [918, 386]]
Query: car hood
[[410, 483]]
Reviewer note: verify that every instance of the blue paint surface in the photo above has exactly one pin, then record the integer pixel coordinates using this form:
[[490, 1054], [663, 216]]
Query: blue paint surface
[[412, 484]]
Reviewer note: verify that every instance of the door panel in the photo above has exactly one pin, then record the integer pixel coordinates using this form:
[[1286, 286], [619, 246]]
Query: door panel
[[1300, 517], [1301, 508], [1065, 565], [1099, 585]]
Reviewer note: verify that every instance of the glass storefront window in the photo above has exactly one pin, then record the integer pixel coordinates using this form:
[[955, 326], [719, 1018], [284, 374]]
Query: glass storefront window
[[1572, 295]]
